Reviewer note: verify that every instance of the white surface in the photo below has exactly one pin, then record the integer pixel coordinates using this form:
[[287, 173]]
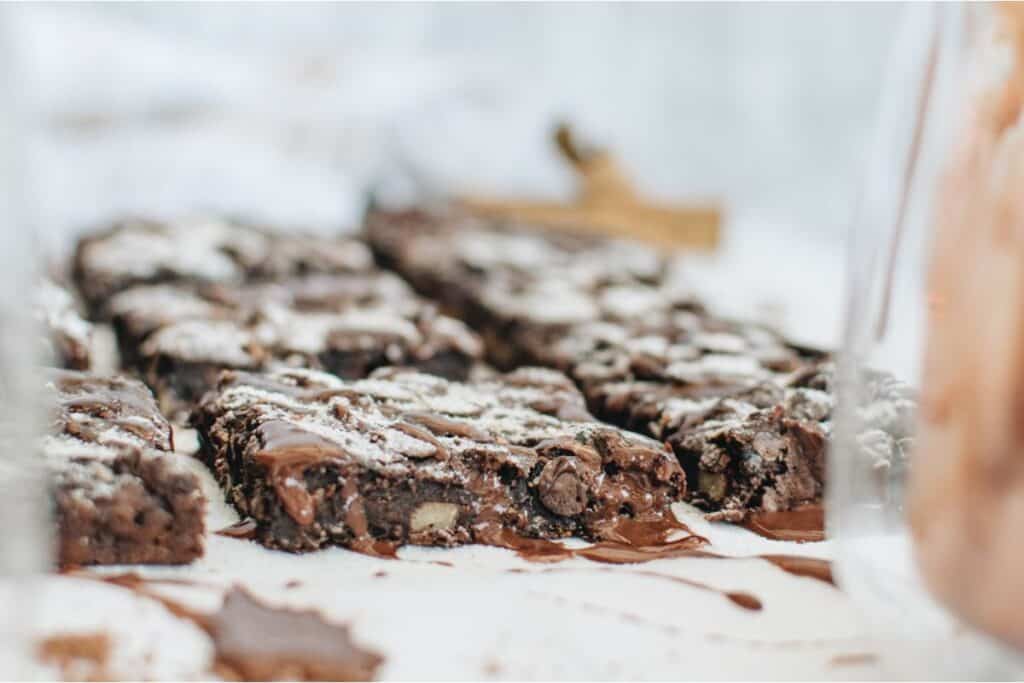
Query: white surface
[[478, 620], [765, 106], [573, 620]]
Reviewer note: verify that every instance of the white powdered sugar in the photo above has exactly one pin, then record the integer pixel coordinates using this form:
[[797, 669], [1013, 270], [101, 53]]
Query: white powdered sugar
[[161, 303], [716, 366], [216, 341], [628, 302], [189, 248]]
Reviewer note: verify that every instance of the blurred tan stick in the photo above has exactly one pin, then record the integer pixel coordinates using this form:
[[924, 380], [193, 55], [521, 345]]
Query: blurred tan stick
[[608, 205]]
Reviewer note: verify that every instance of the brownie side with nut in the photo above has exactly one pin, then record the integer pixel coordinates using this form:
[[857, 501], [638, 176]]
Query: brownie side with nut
[[405, 457], [120, 494]]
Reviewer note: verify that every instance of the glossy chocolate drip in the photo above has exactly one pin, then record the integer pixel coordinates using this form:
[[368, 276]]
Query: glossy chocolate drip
[[443, 426], [630, 541], [803, 524], [287, 451], [810, 567], [532, 549], [108, 409], [641, 542], [417, 432], [355, 520], [244, 529]]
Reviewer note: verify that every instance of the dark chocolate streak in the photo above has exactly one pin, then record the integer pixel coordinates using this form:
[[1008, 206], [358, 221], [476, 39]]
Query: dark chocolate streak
[[243, 528], [805, 523], [644, 543]]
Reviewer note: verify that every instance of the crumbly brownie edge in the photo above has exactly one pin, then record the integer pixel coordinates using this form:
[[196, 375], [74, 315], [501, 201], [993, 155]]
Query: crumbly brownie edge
[[139, 507]]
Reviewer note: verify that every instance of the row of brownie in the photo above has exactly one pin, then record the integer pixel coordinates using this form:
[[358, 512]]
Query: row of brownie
[[534, 463], [746, 414]]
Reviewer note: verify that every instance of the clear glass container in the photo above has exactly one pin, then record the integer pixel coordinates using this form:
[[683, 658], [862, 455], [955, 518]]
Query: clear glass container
[[25, 542], [941, 60]]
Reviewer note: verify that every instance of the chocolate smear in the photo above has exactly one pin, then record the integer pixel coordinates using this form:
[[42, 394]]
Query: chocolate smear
[[244, 529], [78, 655], [256, 642], [803, 524]]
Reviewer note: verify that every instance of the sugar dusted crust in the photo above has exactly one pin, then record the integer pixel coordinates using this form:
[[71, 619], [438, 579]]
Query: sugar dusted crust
[[210, 250], [120, 494], [405, 457]]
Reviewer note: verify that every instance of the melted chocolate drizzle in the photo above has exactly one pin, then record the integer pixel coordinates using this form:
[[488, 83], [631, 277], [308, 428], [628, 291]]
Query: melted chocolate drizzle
[[638, 542], [803, 524], [244, 529]]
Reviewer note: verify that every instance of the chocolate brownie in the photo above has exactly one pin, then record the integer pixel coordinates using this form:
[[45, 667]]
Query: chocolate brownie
[[133, 252], [747, 414], [730, 398], [121, 494], [521, 287], [66, 336], [406, 457], [178, 337]]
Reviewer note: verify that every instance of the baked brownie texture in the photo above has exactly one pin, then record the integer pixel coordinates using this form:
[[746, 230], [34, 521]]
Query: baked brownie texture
[[179, 337], [731, 399], [522, 288], [406, 457], [207, 250], [747, 414], [66, 335], [121, 494]]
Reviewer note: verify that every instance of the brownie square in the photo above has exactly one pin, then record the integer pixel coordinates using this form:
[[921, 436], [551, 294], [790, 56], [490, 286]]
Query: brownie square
[[618, 319], [521, 287], [178, 337], [406, 457], [120, 494], [202, 250]]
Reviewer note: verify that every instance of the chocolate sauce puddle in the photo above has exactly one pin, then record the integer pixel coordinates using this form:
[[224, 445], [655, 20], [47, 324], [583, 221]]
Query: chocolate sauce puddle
[[628, 542], [636, 542], [803, 524], [255, 641]]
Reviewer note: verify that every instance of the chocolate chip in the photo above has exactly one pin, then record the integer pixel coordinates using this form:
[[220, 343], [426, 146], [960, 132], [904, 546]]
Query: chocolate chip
[[561, 489]]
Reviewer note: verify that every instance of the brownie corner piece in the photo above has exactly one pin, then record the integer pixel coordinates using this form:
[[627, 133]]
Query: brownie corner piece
[[123, 504], [121, 494], [206, 249], [406, 457]]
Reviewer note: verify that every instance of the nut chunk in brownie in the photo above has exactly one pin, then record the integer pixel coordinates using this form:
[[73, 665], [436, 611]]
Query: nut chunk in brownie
[[405, 457], [121, 494], [66, 336], [205, 250], [179, 337]]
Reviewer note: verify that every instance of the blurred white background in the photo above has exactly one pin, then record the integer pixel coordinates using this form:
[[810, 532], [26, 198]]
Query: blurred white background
[[291, 113]]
